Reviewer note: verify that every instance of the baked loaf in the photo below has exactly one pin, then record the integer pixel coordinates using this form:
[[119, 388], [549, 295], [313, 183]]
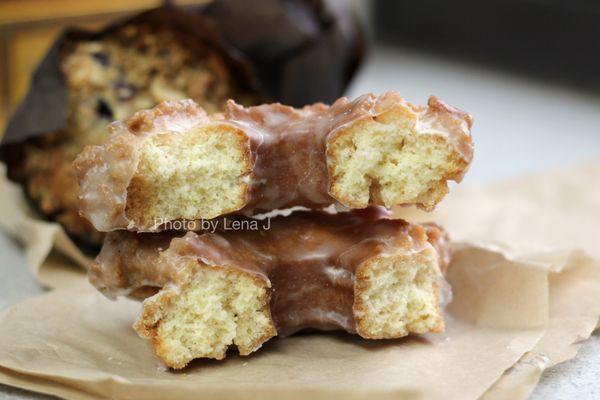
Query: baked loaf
[[356, 271], [132, 68], [174, 162]]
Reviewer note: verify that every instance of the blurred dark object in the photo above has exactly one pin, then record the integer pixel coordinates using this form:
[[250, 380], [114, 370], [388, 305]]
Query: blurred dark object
[[304, 51], [553, 39], [45, 106], [29, 27]]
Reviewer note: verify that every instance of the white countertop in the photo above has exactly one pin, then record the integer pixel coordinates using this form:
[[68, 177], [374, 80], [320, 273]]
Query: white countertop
[[520, 125]]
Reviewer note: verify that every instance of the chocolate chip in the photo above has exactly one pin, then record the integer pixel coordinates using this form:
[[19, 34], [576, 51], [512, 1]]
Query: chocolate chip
[[104, 110], [124, 91], [102, 58]]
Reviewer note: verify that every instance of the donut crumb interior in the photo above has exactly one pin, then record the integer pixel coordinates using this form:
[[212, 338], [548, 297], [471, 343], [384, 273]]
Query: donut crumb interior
[[216, 309], [384, 161], [199, 173]]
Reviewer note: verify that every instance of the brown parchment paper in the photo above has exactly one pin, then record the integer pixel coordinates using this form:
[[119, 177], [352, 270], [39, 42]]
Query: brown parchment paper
[[76, 344], [51, 255], [573, 315], [552, 210]]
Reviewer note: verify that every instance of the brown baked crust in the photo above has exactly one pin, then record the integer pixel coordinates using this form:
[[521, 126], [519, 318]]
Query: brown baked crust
[[317, 270], [291, 157]]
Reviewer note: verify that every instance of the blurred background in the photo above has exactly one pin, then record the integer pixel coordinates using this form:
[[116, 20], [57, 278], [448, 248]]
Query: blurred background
[[528, 70]]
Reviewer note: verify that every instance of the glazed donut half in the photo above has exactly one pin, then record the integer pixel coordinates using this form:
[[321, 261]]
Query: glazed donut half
[[174, 162], [358, 271]]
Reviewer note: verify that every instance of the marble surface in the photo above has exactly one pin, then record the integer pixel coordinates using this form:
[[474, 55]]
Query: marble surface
[[520, 126]]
